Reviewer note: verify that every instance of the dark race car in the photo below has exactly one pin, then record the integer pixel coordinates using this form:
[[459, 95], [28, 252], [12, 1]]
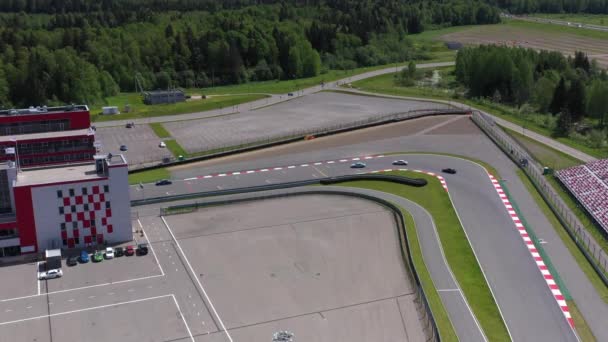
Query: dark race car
[[449, 170]]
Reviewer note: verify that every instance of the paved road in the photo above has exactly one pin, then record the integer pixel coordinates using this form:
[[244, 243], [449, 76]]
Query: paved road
[[274, 99], [519, 288], [562, 23], [533, 135]]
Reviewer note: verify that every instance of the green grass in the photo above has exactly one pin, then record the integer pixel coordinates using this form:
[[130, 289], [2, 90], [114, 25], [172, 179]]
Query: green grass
[[140, 110], [149, 176], [549, 156], [455, 244], [594, 19], [544, 154], [285, 86], [582, 329], [160, 130], [175, 148], [384, 84], [442, 319], [556, 29]]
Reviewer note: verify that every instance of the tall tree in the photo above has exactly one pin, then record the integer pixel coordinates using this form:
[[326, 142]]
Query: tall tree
[[559, 97], [576, 100], [597, 104]]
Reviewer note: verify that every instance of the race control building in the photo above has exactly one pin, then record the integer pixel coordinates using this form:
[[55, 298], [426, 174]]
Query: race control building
[[65, 196]]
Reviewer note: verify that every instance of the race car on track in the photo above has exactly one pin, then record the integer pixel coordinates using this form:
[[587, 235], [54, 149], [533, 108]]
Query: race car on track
[[449, 170], [358, 165], [400, 162]]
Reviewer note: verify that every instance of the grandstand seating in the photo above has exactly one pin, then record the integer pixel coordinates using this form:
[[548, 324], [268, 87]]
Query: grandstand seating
[[589, 184]]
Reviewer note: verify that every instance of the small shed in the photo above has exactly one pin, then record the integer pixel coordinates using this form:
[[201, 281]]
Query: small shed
[[164, 96], [112, 110]]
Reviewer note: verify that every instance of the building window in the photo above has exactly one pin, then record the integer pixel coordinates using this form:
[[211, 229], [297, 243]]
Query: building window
[[106, 188], [75, 225], [92, 223], [63, 226], [84, 191], [107, 205], [59, 194], [65, 242], [86, 206], [71, 192], [61, 211], [76, 240], [73, 208]]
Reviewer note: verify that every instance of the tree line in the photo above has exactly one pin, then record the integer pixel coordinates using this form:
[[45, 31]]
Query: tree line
[[571, 88], [552, 6], [61, 51]]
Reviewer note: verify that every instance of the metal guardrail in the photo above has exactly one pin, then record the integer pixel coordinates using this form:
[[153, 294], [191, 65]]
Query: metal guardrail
[[534, 171], [252, 145], [430, 323]]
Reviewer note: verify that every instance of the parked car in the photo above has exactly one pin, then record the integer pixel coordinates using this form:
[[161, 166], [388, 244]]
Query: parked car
[[129, 251], [164, 182], [123, 148], [142, 249], [72, 261], [289, 94], [98, 256], [50, 274], [162, 144], [118, 252], [109, 253], [449, 170], [400, 162], [130, 124], [358, 165], [84, 257]]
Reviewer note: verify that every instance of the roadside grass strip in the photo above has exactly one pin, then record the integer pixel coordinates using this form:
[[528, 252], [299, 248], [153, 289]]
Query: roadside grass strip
[[442, 319], [160, 130], [175, 148], [542, 266], [149, 176], [458, 251]]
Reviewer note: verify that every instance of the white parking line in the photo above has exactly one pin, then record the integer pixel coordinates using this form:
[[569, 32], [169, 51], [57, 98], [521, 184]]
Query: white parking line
[[38, 280], [197, 280], [151, 248], [82, 310], [183, 318]]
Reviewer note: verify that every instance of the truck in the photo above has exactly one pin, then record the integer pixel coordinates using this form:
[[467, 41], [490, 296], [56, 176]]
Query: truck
[[53, 259]]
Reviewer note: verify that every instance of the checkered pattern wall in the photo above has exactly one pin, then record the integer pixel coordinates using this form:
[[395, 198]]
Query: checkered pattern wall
[[86, 215]]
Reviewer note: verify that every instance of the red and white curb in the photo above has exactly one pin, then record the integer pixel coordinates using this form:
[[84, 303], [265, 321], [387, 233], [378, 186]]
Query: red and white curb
[[559, 297], [279, 168], [441, 179]]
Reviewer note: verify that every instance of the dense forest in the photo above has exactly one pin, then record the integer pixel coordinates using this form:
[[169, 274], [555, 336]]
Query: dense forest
[[552, 6], [573, 90], [60, 51]]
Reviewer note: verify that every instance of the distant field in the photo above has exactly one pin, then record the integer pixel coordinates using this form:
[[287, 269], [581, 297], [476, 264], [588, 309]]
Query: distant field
[[140, 110], [594, 19], [537, 36]]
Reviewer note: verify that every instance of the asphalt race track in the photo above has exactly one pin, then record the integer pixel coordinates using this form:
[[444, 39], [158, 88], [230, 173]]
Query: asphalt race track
[[524, 299]]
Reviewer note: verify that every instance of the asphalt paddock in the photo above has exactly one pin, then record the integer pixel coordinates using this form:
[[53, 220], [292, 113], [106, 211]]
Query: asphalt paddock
[[155, 319], [320, 266]]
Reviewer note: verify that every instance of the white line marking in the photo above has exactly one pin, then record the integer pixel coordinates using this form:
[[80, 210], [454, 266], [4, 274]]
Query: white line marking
[[110, 293], [189, 179], [38, 280], [71, 300], [304, 165], [207, 176], [29, 307], [91, 297], [222, 175], [197, 280], [82, 310], [152, 248], [263, 170], [449, 290], [250, 171], [183, 318]]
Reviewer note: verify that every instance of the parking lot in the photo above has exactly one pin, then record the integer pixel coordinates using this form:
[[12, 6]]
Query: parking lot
[[140, 140], [18, 280]]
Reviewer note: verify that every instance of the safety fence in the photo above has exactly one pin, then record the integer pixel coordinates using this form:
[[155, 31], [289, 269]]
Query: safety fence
[[429, 323], [295, 135], [534, 171]]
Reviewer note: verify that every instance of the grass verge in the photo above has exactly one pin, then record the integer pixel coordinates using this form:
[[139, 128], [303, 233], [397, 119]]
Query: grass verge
[[456, 246], [582, 329], [593, 19], [160, 130], [140, 110], [544, 154], [442, 319], [149, 176], [175, 148]]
